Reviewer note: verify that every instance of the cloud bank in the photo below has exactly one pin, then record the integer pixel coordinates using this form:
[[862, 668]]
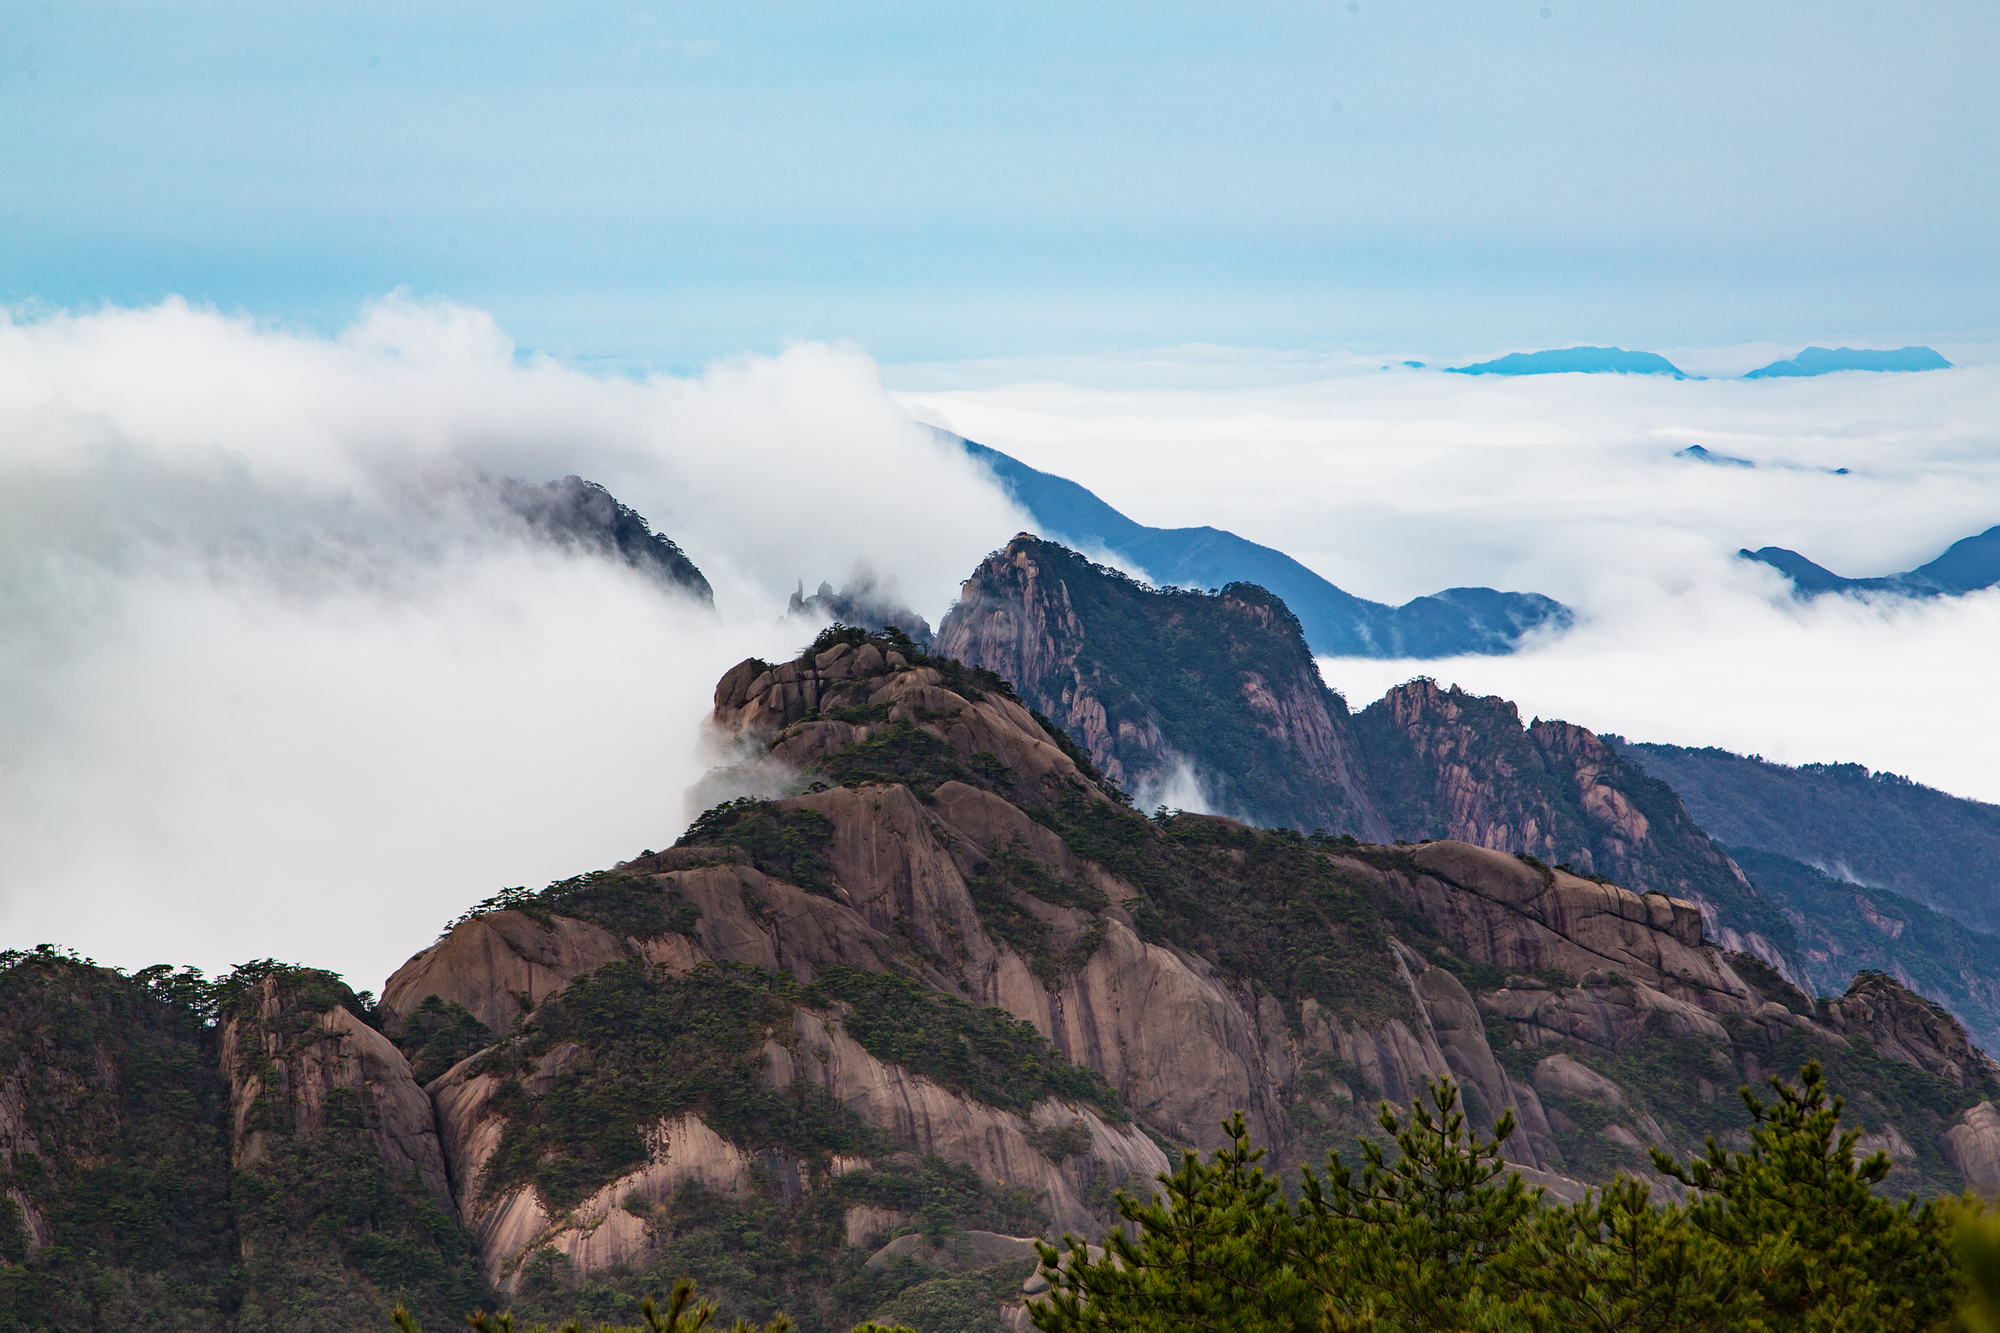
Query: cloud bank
[[1395, 482], [279, 676]]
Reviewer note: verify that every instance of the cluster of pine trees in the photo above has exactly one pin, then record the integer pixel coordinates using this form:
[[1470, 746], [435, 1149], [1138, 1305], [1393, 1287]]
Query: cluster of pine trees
[[1437, 1233]]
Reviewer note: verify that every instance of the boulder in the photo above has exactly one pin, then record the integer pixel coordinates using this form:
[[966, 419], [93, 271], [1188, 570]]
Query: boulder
[[958, 1253], [1560, 1074], [1972, 1146]]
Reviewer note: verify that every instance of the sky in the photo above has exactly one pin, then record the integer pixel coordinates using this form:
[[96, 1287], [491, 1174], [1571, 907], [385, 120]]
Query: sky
[[650, 185], [282, 288]]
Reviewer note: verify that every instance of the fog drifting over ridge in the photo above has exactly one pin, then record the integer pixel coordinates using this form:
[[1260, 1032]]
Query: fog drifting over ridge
[[280, 678], [1394, 482]]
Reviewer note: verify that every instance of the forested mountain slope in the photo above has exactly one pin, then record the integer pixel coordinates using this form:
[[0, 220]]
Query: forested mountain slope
[[1223, 686], [1869, 827], [844, 1052]]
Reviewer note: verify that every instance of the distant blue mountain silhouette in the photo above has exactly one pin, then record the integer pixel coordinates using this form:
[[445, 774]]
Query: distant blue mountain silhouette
[[1336, 623], [1967, 566], [1821, 361], [1700, 455], [1575, 360]]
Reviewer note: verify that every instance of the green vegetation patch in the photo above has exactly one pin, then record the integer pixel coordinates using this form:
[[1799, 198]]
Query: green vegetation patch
[[623, 904], [149, 1228], [1910, 839], [941, 1197], [1263, 904], [761, 1254], [331, 1239], [133, 1174], [1874, 928], [904, 753], [987, 1054], [1880, 1091], [437, 1035], [787, 844], [656, 1045], [961, 1303], [1770, 983], [1009, 869]]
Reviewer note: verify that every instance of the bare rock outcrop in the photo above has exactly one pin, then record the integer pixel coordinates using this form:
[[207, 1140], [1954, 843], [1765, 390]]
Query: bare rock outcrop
[[1463, 767], [292, 1071], [1019, 616], [791, 710], [613, 1226], [500, 966], [903, 884], [1904, 1026], [1972, 1146]]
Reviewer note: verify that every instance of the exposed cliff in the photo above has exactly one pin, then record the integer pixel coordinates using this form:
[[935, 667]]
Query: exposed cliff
[[1147, 679], [964, 960], [1448, 764], [1217, 690], [244, 1154]]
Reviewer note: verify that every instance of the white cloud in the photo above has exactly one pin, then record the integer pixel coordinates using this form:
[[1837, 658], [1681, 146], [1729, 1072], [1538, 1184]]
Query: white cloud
[[1397, 484], [1897, 685], [278, 677]]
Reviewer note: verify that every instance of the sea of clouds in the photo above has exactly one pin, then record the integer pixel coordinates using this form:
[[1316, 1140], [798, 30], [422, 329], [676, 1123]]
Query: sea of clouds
[[1394, 482], [278, 676]]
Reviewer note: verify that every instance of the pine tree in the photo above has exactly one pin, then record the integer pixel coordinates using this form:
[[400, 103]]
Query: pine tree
[[1408, 1246], [1615, 1262], [1217, 1249], [1852, 1260]]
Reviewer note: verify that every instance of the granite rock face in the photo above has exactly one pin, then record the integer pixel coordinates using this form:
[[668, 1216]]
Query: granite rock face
[[1973, 1148], [1216, 696], [1100, 654], [1526, 984], [288, 1066]]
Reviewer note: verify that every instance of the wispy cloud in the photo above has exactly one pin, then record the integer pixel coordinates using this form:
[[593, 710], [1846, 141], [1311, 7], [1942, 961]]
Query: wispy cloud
[[280, 677]]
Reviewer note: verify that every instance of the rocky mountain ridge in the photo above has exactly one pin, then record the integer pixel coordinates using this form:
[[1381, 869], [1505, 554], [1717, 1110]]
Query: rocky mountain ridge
[[583, 516], [1335, 622], [1221, 690], [968, 858], [952, 988]]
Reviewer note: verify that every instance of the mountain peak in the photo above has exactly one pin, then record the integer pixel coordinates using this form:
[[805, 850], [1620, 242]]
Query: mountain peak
[[1454, 622], [1575, 361], [1826, 361]]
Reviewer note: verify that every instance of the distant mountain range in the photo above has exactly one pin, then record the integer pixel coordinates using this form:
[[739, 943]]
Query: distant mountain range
[[1618, 361], [1336, 624], [1876, 870], [1821, 361], [1698, 454], [1575, 360], [1967, 566]]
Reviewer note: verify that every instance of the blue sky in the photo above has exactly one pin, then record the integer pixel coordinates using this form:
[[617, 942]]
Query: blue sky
[[659, 184]]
